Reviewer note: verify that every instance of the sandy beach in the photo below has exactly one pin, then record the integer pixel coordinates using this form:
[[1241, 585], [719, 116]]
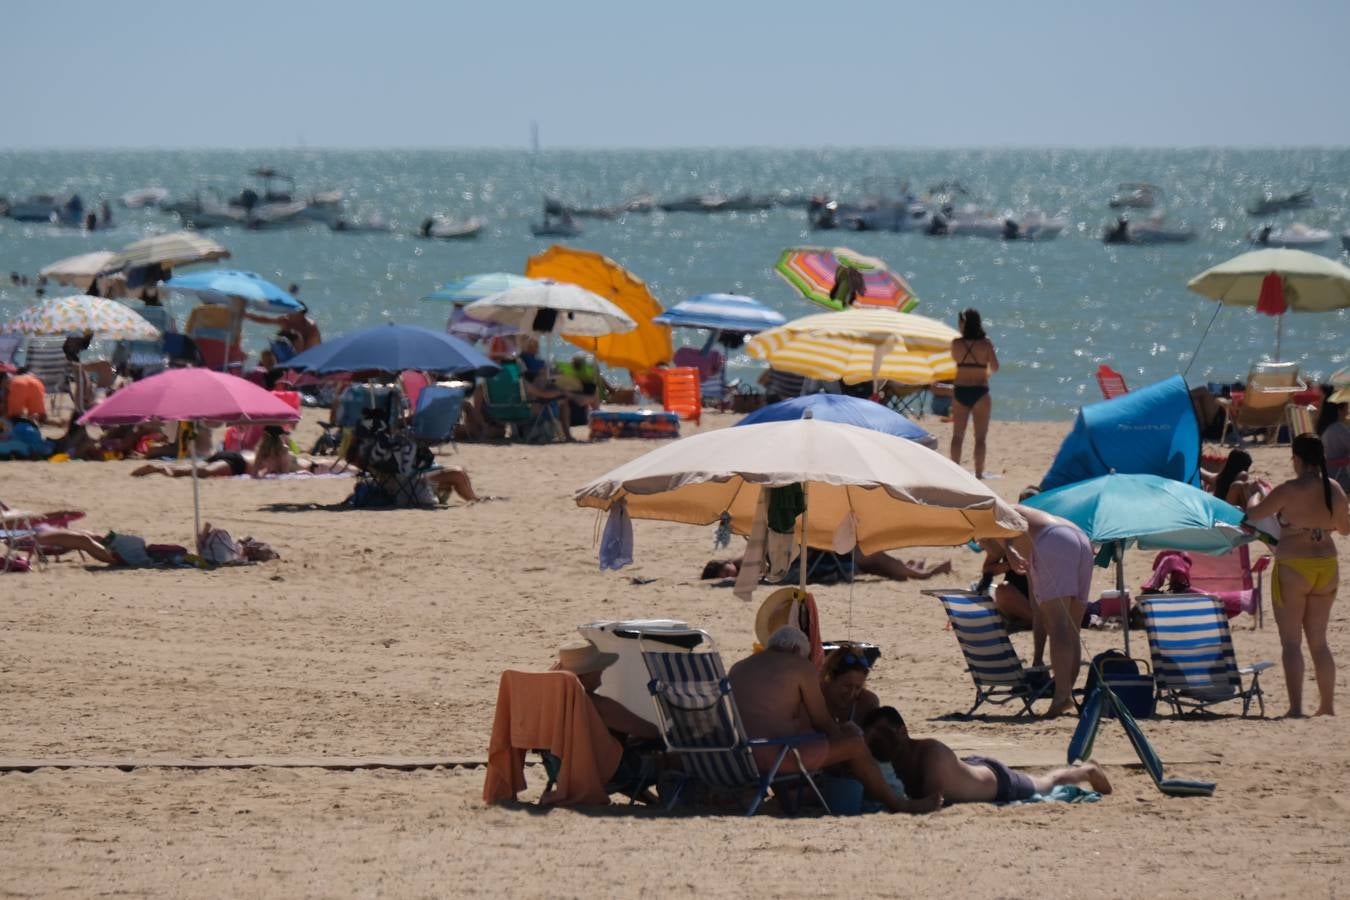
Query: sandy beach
[[381, 634]]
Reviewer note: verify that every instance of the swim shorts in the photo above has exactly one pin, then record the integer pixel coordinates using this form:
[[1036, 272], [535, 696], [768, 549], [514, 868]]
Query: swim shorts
[[1061, 564], [1012, 786]]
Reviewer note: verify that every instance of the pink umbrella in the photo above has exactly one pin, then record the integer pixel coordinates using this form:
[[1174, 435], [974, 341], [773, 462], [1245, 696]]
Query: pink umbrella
[[199, 396]]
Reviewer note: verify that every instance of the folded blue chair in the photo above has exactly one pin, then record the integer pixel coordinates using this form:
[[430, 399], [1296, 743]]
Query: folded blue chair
[[437, 414], [991, 659], [700, 723], [1193, 660]]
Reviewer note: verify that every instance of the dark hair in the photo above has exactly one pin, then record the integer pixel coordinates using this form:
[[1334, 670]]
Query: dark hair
[[1329, 415], [886, 715], [714, 568], [1308, 448], [1238, 462], [845, 658], [971, 327]]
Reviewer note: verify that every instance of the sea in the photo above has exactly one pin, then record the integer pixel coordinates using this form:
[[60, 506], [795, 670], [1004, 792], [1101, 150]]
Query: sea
[[1055, 310]]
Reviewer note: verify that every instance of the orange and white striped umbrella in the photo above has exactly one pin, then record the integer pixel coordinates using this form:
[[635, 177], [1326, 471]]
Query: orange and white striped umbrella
[[859, 345]]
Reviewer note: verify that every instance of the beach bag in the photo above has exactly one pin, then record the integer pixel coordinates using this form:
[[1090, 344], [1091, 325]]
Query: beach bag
[[218, 548], [1122, 675]]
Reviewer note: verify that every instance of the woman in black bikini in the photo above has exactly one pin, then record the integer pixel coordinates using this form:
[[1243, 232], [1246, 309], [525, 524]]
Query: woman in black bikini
[[975, 360]]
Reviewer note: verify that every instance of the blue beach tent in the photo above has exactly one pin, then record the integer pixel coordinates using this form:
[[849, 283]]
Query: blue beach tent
[[1150, 431]]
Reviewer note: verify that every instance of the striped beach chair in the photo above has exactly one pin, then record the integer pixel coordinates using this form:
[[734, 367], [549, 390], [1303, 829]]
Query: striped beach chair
[[991, 659], [700, 724], [1193, 659]]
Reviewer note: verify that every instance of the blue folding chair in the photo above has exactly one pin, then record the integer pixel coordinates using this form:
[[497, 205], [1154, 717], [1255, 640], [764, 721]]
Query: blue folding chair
[[991, 659], [437, 414], [1193, 660], [700, 723]]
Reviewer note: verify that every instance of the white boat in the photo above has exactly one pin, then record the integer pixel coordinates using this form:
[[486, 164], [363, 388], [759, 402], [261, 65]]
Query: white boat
[[286, 214], [1134, 195], [141, 197], [446, 229], [969, 221], [1294, 235], [1150, 231], [206, 210]]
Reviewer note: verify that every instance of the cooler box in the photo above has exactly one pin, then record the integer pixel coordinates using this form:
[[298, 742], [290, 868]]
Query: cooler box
[[626, 680], [607, 423]]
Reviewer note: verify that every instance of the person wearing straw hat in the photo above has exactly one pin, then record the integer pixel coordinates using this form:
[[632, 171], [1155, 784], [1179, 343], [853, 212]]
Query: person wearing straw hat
[[586, 661]]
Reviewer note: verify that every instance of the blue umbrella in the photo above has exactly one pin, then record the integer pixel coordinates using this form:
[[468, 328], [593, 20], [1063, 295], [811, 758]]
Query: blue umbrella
[[845, 409], [1150, 511], [215, 285], [393, 348], [722, 312], [476, 287]]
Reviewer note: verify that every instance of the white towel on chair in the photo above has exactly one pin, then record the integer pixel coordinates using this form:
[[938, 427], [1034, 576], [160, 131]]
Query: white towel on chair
[[752, 564]]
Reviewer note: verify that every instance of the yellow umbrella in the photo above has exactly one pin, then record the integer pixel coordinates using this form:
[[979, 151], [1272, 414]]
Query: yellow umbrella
[[637, 350], [859, 345]]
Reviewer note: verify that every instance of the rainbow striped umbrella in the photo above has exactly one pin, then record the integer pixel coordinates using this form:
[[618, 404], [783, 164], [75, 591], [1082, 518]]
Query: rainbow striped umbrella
[[107, 319], [860, 345], [815, 270]]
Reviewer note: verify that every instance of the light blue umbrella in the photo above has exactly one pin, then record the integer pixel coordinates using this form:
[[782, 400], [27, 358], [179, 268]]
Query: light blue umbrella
[[722, 312], [476, 287], [1150, 511], [846, 409], [217, 285]]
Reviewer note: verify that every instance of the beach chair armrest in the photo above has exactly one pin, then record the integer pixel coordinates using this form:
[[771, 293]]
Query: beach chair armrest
[[1185, 787], [1262, 564], [1255, 668]]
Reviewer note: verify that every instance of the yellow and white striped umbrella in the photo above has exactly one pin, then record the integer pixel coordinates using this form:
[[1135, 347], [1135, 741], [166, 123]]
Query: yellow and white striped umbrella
[[859, 345], [107, 319]]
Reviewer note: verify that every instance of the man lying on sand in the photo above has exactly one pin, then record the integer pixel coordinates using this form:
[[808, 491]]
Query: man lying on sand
[[928, 766], [883, 565], [778, 695]]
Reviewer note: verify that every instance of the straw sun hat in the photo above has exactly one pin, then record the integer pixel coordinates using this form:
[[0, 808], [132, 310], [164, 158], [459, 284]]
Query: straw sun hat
[[774, 613], [581, 657]]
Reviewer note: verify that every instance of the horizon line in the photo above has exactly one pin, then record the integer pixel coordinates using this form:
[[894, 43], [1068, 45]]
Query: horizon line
[[634, 148]]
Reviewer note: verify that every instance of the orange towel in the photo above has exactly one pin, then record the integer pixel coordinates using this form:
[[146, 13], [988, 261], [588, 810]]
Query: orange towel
[[549, 711]]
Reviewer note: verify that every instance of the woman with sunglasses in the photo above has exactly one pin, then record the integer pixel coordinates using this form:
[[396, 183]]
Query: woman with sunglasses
[[843, 681]]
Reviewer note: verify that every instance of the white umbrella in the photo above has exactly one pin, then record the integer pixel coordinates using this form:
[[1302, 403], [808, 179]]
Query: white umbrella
[[179, 248], [78, 271], [552, 307], [902, 494]]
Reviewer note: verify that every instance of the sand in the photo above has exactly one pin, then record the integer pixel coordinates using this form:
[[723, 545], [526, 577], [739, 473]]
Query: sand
[[381, 634]]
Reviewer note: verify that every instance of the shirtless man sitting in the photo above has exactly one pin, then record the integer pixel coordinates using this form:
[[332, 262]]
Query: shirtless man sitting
[[778, 695], [928, 765]]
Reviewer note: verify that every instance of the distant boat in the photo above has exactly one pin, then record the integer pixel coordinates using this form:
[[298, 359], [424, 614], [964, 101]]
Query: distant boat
[[1134, 195], [1345, 241], [1270, 203], [712, 203], [141, 197], [46, 208], [445, 229], [968, 221], [372, 225], [1149, 231], [559, 226], [1295, 235]]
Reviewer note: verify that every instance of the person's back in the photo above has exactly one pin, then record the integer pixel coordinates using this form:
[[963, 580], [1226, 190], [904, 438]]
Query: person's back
[[768, 690], [1305, 520]]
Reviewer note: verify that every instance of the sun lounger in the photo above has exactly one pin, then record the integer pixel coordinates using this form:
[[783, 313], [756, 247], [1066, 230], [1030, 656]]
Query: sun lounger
[[991, 659], [1193, 659]]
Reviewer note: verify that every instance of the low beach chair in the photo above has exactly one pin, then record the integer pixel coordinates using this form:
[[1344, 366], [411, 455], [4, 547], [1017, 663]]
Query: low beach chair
[[1232, 578], [46, 361], [700, 724], [681, 393], [1192, 650], [435, 415], [1111, 382], [509, 405], [991, 658], [1270, 388]]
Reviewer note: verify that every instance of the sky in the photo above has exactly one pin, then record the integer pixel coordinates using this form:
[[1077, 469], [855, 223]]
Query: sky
[[596, 73]]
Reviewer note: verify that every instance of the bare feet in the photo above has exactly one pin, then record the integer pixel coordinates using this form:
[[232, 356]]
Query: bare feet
[[931, 803], [1097, 778], [1060, 709], [1324, 712]]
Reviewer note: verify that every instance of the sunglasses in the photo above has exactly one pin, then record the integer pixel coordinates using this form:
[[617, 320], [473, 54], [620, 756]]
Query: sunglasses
[[850, 659]]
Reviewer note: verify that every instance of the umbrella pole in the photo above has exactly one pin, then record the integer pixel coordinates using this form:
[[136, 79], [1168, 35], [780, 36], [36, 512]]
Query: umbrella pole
[[1279, 333], [1120, 593], [801, 554], [196, 490]]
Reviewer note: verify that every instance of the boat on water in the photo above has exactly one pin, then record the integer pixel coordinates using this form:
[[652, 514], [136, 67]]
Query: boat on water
[[1271, 203], [1345, 241], [48, 208], [1134, 195], [1295, 235], [970, 221], [142, 197], [443, 228], [1152, 230], [370, 225]]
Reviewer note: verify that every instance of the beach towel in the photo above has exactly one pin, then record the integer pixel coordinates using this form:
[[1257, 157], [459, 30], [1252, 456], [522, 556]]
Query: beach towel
[[1062, 793], [752, 563], [616, 544], [549, 711]]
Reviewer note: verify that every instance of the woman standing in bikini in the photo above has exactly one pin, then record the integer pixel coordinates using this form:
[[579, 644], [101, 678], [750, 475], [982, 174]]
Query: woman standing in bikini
[[1309, 508], [975, 361]]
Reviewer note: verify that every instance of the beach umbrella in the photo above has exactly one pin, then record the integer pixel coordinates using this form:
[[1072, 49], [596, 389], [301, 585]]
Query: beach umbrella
[[1149, 511], [859, 345], [1277, 280], [722, 312], [392, 348], [107, 319], [197, 396], [77, 271], [817, 271], [552, 307], [179, 248], [638, 348], [219, 285], [476, 287], [901, 494], [846, 409]]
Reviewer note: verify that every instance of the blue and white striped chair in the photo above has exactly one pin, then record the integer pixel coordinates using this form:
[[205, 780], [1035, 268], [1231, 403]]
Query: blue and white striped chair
[[1192, 649], [991, 659], [700, 723]]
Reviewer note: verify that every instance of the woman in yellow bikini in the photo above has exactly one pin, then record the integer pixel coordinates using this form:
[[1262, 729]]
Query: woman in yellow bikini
[[1309, 507]]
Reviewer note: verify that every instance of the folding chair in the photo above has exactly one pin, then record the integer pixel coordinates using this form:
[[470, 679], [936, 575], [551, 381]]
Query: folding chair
[[1302, 420], [1111, 382], [9, 347], [1270, 388], [1233, 579], [1192, 650], [508, 403], [46, 361], [700, 723], [436, 414], [991, 659], [906, 399]]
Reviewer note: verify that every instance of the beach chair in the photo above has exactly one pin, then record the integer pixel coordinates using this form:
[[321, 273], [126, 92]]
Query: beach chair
[[46, 361], [700, 724], [1111, 382], [508, 404], [712, 380], [1232, 578], [9, 348], [1302, 420], [906, 399], [1192, 649], [435, 415], [681, 393], [991, 659], [1270, 388], [412, 383]]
